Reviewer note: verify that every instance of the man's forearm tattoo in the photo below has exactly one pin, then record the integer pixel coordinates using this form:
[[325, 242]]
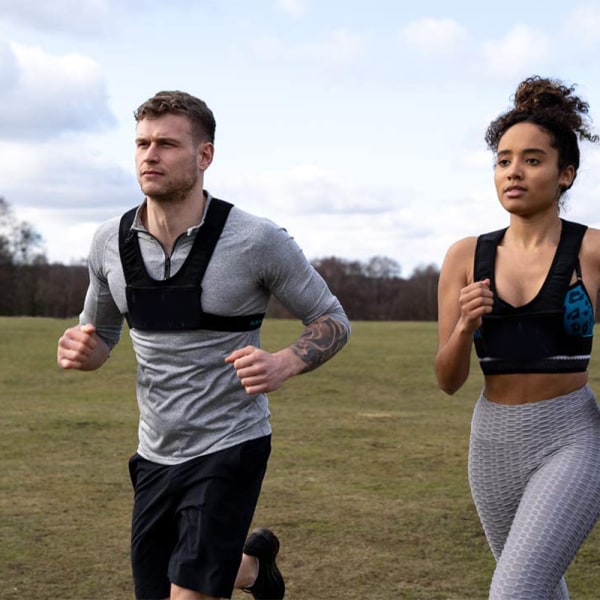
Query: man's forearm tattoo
[[319, 342]]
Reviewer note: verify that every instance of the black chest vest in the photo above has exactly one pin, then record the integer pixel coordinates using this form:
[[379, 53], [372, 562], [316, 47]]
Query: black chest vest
[[550, 334], [174, 304]]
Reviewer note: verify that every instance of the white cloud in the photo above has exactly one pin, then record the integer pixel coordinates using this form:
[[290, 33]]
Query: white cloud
[[307, 189], [66, 240], [9, 69], [64, 175], [329, 215], [77, 16], [49, 94], [341, 47], [65, 189], [583, 24], [480, 160], [338, 48], [434, 36], [582, 203], [267, 47], [522, 50], [294, 8]]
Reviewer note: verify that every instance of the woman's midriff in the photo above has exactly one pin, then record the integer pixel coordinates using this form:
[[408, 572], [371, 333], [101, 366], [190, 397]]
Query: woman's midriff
[[521, 388]]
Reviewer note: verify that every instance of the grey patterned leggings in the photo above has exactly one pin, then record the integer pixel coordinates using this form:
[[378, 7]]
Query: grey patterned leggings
[[534, 471]]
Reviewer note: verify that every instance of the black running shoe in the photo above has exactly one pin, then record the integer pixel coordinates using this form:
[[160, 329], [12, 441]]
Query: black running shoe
[[269, 584]]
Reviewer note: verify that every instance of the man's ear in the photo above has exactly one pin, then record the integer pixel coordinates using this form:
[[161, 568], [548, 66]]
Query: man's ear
[[206, 152]]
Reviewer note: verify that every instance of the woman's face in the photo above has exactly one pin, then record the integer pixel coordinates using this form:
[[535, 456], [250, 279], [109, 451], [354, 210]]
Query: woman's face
[[526, 174]]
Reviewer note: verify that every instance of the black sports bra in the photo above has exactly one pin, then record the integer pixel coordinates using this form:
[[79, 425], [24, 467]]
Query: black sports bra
[[552, 333]]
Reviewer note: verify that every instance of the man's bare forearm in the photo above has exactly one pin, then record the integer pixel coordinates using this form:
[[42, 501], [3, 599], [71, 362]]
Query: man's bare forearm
[[322, 339]]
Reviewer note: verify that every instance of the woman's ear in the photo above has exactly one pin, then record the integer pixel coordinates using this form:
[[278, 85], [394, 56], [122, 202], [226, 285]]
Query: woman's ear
[[566, 178]]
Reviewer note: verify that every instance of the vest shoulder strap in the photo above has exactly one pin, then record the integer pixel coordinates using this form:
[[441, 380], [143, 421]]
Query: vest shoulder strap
[[166, 304], [485, 254], [196, 263], [566, 260], [564, 264], [206, 239], [129, 249]]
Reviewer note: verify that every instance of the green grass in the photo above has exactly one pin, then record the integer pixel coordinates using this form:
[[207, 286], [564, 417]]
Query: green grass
[[366, 486]]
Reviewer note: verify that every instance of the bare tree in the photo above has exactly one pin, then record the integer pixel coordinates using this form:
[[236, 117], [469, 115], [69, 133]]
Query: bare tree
[[5, 253], [20, 249], [382, 267], [20, 243]]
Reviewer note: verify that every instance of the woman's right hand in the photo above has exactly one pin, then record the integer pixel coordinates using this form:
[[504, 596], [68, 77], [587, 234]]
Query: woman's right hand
[[461, 306], [475, 300]]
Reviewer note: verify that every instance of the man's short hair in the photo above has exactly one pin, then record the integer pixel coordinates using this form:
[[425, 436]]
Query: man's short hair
[[181, 103]]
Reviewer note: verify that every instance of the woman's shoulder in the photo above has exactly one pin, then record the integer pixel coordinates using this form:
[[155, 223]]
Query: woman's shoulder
[[459, 261], [593, 233], [590, 246], [589, 258], [462, 249], [591, 240]]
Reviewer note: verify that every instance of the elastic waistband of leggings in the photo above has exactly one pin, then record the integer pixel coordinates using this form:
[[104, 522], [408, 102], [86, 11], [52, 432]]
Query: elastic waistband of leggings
[[546, 418]]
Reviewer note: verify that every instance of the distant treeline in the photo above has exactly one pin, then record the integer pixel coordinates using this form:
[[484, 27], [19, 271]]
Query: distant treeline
[[368, 291], [55, 290], [42, 290], [374, 290]]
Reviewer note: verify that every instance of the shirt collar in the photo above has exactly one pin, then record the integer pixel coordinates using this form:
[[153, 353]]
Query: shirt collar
[[138, 224]]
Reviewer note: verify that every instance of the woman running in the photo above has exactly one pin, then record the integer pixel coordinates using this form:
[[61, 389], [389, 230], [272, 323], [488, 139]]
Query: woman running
[[525, 296]]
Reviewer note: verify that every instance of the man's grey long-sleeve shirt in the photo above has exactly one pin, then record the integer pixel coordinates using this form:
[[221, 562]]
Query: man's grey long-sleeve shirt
[[191, 402]]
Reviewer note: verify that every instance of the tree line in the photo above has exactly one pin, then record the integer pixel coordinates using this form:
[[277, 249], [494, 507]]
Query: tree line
[[375, 291], [369, 291]]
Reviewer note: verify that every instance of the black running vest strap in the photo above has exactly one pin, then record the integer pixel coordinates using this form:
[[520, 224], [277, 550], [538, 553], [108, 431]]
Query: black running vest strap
[[560, 272], [531, 338], [174, 304]]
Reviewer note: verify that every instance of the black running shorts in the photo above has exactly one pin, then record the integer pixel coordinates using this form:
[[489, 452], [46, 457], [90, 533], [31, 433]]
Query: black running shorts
[[190, 520]]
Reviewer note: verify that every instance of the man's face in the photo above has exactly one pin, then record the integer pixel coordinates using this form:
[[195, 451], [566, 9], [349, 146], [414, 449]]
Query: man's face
[[169, 162]]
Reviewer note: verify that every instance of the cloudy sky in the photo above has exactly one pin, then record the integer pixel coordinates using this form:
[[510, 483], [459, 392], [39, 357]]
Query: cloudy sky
[[358, 126]]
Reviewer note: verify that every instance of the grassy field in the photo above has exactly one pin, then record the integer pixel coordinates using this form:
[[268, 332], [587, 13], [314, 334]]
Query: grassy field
[[366, 487]]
